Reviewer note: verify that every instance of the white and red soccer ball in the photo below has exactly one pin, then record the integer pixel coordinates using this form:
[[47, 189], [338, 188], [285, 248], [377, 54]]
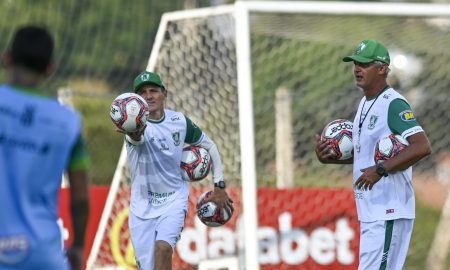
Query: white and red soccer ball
[[209, 213], [388, 147], [129, 112], [195, 163], [338, 133]]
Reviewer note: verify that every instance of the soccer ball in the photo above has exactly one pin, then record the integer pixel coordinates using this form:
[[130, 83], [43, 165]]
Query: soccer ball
[[209, 213], [195, 163], [338, 133], [129, 112], [388, 147]]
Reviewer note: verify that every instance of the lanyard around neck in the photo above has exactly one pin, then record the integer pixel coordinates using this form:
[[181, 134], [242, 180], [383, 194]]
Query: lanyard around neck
[[362, 109], [358, 145]]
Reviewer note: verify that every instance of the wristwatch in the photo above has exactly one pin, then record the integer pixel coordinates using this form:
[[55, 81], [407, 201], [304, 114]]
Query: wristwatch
[[381, 170], [220, 184]]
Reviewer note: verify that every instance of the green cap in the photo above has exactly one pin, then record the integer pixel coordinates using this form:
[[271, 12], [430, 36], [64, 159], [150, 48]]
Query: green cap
[[369, 50], [147, 77]]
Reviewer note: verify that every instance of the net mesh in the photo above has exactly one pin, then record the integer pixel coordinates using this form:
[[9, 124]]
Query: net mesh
[[201, 81], [99, 48], [303, 53]]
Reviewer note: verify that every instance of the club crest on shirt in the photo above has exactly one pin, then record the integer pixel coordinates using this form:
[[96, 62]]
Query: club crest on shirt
[[407, 116], [176, 137], [372, 121]]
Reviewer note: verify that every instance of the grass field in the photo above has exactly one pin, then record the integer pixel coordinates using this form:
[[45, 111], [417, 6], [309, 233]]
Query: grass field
[[427, 218]]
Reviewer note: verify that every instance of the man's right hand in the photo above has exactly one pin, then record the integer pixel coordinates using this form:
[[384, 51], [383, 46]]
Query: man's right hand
[[323, 152], [135, 135]]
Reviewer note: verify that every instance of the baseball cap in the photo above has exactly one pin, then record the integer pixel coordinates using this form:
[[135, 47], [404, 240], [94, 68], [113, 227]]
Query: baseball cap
[[147, 77], [369, 50]]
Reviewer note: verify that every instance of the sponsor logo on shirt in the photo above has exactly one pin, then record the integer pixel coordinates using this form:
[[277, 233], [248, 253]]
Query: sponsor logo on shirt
[[27, 117], [389, 211], [175, 118], [407, 116], [163, 145], [156, 198], [160, 143], [24, 144], [13, 249]]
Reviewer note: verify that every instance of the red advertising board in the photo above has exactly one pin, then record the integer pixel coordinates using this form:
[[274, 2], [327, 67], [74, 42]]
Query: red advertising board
[[299, 228], [97, 196]]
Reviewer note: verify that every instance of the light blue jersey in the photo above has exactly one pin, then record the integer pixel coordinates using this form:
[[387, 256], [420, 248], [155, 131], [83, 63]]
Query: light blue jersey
[[39, 139]]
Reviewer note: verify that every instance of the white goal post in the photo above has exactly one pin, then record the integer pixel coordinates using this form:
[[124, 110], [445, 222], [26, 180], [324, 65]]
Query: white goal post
[[240, 14]]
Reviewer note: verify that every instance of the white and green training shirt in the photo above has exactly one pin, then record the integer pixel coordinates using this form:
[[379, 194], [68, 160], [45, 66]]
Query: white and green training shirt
[[155, 163], [393, 196]]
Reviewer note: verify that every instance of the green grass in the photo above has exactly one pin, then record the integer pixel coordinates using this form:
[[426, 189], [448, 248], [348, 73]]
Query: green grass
[[427, 219]]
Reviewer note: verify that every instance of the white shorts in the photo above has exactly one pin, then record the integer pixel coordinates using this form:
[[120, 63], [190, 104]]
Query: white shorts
[[384, 244], [145, 232]]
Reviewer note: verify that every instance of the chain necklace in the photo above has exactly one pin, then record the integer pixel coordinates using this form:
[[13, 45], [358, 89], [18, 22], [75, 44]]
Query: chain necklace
[[361, 121]]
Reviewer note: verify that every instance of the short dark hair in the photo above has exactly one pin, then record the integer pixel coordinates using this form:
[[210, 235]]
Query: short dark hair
[[32, 48]]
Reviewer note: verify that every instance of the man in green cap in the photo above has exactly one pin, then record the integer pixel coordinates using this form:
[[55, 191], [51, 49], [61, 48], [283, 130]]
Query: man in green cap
[[384, 192], [159, 195]]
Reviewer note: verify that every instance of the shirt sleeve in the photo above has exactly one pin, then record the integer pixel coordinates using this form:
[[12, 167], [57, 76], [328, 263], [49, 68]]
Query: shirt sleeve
[[195, 136], [79, 159], [401, 119], [193, 132], [216, 168]]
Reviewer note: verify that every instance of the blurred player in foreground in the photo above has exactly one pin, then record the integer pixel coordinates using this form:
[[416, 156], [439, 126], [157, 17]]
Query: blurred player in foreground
[[159, 196], [39, 139], [384, 192]]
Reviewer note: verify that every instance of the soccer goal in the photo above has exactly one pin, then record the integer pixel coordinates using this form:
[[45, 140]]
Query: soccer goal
[[229, 68]]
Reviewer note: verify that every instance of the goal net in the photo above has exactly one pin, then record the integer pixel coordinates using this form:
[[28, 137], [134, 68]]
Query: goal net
[[261, 78]]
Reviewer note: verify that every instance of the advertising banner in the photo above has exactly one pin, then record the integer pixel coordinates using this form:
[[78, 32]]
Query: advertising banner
[[299, 228]]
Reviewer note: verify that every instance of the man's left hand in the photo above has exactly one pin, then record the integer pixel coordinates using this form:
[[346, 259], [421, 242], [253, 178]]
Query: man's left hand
[[368, 178], [221, 199]]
